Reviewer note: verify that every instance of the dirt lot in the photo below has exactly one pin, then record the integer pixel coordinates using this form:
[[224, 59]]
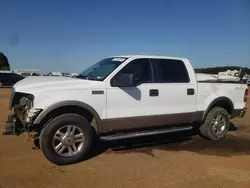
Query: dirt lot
[[152, 162]]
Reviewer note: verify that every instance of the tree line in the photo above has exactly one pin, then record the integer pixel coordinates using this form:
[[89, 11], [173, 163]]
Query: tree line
[[4, 62]]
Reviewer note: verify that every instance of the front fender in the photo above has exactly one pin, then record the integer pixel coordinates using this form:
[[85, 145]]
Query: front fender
[[54, 106]]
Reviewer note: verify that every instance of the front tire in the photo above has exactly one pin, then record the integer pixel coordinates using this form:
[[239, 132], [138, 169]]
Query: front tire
[[66, 139], [216, 124]]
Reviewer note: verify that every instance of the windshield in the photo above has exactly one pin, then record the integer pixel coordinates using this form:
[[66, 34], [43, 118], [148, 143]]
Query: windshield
[[101, 69]]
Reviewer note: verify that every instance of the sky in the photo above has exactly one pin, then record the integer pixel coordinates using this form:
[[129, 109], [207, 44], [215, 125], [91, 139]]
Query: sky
[[69, 36]]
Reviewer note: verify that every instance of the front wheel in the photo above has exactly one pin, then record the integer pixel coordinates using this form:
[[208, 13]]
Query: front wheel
[[216, 124], [66, 139]]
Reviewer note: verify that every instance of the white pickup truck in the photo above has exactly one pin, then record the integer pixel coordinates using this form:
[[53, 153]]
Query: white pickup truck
[[123, 97]]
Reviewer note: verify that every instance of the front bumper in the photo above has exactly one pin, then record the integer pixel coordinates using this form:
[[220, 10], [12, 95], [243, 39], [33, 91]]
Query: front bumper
[[24, 113], [13, 126]]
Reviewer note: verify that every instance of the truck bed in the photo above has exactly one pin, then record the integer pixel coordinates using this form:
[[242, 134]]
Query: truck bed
[[214, 78], [209, 91]]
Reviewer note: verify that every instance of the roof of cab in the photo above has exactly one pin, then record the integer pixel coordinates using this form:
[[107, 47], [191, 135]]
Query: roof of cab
[[149, 56]]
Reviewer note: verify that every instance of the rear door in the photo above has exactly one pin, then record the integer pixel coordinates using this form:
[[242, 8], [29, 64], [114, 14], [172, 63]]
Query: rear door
[[177, 93]]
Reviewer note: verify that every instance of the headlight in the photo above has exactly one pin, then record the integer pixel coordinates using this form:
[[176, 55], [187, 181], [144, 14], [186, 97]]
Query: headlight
[[26, 101]]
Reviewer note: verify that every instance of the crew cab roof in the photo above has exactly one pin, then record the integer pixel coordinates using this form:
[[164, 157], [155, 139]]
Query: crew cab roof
[[148, 56]]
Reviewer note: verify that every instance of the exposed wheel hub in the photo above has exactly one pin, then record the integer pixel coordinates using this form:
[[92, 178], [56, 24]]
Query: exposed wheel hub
[[68, 141]]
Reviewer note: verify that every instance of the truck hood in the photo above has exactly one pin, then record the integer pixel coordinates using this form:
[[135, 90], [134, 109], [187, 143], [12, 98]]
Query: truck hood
[[50, 83]]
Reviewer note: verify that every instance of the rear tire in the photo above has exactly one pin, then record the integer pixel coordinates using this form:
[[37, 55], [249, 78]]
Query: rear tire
[[62, 133], [216, 124]]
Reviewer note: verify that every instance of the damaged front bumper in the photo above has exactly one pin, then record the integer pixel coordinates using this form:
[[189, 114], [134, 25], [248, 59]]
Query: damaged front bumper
[[21, 121], [13, 126], [16, 124], [24, 114]]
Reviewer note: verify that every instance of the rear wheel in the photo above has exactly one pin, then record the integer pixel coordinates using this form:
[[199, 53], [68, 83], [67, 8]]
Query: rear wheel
[[66, 139], [216, 124]]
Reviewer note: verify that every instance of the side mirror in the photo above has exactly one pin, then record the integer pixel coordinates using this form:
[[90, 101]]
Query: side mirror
[[124, 80]]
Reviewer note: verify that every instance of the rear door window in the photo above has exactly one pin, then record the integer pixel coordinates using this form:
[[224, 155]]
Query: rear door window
[[170, 71]]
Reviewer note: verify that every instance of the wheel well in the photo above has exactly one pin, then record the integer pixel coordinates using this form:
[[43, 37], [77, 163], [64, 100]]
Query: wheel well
[[223, 103], [70, 109]]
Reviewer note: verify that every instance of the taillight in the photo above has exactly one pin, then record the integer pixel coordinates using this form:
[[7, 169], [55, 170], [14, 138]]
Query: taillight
[[245, 96]]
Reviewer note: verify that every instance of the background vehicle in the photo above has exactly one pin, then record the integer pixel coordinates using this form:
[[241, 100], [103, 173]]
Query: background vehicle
[[9, 79], [248, 82], [124, 97]]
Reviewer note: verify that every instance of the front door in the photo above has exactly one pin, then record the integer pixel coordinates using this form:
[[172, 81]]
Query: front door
[[130, 107]]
